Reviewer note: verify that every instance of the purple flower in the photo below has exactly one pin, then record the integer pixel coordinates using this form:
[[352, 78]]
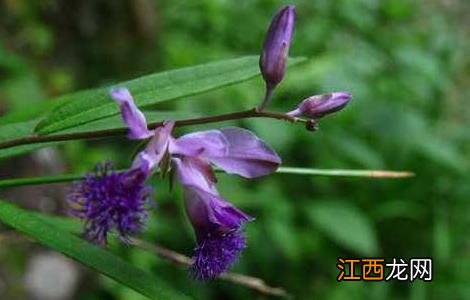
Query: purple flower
[[218, 225], [276, 46], [318, 106], [109, 200]]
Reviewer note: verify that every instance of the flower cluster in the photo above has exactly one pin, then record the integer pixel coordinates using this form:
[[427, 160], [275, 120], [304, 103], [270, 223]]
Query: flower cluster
[[109, 200], [273, 62], [105, 201]]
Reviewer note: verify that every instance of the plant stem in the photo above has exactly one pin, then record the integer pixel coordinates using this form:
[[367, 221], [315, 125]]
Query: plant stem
[[251, 113], [12, 182], [176, 258], [267, 97]]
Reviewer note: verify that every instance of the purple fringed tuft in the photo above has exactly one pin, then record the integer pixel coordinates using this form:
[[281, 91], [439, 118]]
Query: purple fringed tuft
[[109, 200], [216, 252]]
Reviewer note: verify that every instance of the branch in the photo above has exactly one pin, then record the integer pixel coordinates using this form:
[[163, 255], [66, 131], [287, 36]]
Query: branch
[[176, 258], [251, 113]]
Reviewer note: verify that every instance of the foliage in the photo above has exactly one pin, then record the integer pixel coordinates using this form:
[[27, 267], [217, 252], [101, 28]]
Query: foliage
[[404, 62]]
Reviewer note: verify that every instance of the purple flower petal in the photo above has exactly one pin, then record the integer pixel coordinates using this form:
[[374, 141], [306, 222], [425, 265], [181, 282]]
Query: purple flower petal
[[208, 211], [193, 171], [157, 146], [235, 150], [247, 156], [131, 115], [204, 206], [202, 143]]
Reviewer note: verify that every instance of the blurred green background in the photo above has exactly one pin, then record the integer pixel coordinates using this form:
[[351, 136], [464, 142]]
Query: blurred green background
[[406, 63]]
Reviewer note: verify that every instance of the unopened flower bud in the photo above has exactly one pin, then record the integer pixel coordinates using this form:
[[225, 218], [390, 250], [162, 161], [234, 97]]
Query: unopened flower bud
[[276, 46], [318, 106]]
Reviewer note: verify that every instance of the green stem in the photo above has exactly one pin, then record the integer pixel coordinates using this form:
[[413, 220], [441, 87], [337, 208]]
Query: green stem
[[267, 97], [282, 170], [346, 173]]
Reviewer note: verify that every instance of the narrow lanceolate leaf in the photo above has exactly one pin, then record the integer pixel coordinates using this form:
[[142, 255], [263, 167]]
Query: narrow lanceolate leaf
[[89, 105], [97, 258]]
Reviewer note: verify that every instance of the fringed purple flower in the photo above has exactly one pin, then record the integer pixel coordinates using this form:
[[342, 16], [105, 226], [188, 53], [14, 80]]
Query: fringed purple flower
[[109, 200], [217, 223], [216, 253]]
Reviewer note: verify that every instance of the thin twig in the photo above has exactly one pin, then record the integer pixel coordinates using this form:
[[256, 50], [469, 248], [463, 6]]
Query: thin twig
[[251, 282], [12, 237], [251, 113]]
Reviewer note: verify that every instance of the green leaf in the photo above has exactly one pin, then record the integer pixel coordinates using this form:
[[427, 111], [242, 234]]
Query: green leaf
[[345, 224], [89, 105], [15, 130], [97, 258]]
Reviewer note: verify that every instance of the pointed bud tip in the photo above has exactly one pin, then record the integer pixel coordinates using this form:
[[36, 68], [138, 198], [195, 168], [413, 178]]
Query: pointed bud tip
[[318, 106], [347, 96]]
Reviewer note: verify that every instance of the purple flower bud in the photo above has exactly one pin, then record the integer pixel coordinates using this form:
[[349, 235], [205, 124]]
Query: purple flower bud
[[109, 200], [276, 46], [318, 106]]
